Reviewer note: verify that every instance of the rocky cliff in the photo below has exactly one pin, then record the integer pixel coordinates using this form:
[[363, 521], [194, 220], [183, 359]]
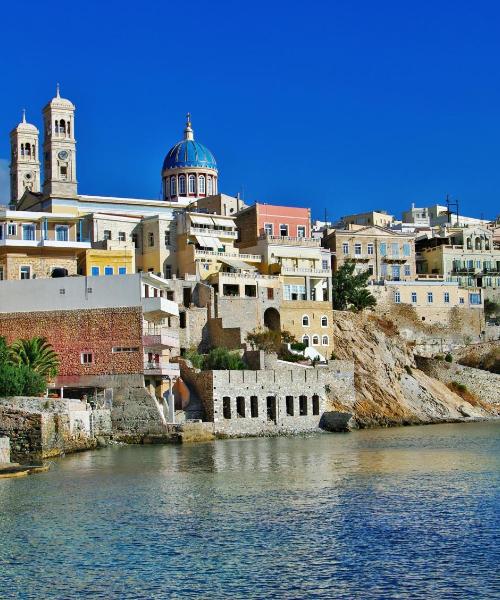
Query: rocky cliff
[[390, 389]]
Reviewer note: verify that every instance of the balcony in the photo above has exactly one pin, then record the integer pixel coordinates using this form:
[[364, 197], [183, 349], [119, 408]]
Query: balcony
[[43, 243], [218, 233], [155, 309], [209, 253], [162, 369], [290, 241], [158, 340], [306, 271], [395, 258], [222, 275], [361, 257], [64, 244]]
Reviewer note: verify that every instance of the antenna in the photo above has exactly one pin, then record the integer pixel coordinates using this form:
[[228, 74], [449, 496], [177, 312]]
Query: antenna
[[451, 203]]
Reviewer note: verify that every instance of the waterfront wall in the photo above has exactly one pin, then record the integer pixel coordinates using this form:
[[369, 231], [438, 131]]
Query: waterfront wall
[[4, 450]]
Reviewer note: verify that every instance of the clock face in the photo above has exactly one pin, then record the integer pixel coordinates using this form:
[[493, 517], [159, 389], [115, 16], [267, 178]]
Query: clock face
[[63, 155]]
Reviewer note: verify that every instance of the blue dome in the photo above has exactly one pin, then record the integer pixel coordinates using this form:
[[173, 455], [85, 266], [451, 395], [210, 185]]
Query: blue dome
[[189, 153]]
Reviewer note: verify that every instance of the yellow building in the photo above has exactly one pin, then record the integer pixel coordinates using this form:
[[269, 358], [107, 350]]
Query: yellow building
[[113, 259]]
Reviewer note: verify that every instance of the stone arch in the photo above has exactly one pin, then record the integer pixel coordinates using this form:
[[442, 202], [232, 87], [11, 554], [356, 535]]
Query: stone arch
[[272, 319]]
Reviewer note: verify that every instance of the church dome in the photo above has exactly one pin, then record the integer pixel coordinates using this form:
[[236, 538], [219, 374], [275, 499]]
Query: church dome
[[26, 127], [58, 102], [189, 153]]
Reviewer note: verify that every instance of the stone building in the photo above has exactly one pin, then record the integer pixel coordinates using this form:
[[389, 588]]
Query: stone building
[[385, 254], [379, 218], [280, 398], [24, 163]]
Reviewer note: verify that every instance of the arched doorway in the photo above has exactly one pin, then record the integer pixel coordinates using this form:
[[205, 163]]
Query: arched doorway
[[59, 272], [272, 319]]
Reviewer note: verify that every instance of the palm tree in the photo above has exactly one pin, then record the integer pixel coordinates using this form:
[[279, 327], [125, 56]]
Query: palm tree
[[37, 354]]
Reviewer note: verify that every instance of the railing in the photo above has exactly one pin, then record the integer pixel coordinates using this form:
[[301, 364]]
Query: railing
[[252, 257], [290, 240], [307, 270], [167, 338], [246, 274], [162, 368], [213, 232]]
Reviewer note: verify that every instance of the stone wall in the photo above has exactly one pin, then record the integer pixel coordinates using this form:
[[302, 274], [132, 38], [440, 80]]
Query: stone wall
[[287, 399], [4, 450], [483, 384], [73, 332], [226, 337], [41, 266], [135, 413]]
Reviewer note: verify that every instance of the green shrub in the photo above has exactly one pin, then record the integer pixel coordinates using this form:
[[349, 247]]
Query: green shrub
[[439, 357], [408, 370], [285, 354], [333, 356], [195, 358], [221, 359], [11, 380], [298, 346], [34, 384], [448, 358]]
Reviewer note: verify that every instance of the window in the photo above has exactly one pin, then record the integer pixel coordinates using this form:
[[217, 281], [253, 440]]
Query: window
[[122, 270], [270, 293], [95, 271], [302, 406], [1, 273], [168, 271], [305, 340], [125, 349], [462, 301], [383, 249], [396, 272], [315, 400], [209, 186], [289, 406], [268, 228], [370, 269], [62, 233], [406, 249], [430, 297], [151, 238], [414, 297], [254, 407], [325, 264], [1, 231], [11, 229], [301, 231], [357, 249], [305, 321], [369, 249], [182, 185], [28, 232], [240, 407], [192, 184], [135, 240], [173, 186], [294, 292], [475, 299], [167, 238], [345, 248], [201, 184], [226, 407], [446, 297], [283, 230], [108, 270], [25, 272], [407, 270], [324, 321], [478, 264], [395, 249], [383, 270], [122, 236], [397, 297], [107, 234], [64, 172], [315, 340], [325, 341], [86, 358]]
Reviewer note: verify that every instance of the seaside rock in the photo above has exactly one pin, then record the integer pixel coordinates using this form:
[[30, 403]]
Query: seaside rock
[[337, 421]]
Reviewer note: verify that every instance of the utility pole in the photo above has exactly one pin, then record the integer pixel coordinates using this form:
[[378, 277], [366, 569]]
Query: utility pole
[[450, 203]]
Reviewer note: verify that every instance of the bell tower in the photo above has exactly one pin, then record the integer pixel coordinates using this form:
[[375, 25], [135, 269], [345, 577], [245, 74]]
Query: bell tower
[[24, 163], [59, 148]]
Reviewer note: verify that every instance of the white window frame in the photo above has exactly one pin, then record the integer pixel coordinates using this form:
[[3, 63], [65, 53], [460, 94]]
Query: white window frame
[[317, 338], [11, 229], [84, 361], [268, 226], [301, 231], [182, 185], [192, 184], [446, 297], [430, 298], [324, 318], [306, 318], [59, 228], [345, 247], [201, 184], [122, 236], [323, 338], [358, 249], [414, 297], [370, 249], [287, 230], [21, 267]]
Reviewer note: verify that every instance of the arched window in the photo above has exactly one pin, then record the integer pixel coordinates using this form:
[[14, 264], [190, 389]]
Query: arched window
[[305, 321], [22, 149], [33, 150], [182, 185], [209, 186], [62, 126], [173, 186], [69, 128], [56, 128], [469, 243], [305, 340], [192, 184], [27, 149], [478, 244], [201, 184], [324, 321], [315, 340], [325, 341]]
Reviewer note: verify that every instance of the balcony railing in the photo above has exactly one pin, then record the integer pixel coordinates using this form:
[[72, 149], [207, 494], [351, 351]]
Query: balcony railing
[[244, 274], [213, 232], [161, 368], [306, 271], [208, 253], [160, 339], [290, 240]]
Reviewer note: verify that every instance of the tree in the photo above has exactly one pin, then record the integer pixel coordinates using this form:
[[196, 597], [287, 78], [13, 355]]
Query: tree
[[349, 288], [37, 354], [269, 340]]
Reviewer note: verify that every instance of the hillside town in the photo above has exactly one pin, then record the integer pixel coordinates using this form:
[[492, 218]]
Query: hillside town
[[201, 314]]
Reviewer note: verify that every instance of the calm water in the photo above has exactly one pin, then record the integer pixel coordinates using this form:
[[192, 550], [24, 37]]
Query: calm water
[[399, 513]]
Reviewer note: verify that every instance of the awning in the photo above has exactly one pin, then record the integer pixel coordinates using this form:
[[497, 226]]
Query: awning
[[201, 220], [215, 242], [208, 242], [223, 222], [237, 264]]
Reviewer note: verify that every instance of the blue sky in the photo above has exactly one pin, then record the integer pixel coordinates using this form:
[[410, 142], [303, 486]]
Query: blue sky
[[343, 105]]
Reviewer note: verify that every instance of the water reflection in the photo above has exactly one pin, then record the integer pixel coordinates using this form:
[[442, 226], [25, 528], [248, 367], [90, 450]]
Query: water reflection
[[400, 513]]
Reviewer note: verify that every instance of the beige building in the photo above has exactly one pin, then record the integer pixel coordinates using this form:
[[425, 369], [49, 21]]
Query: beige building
[[385, 254], [39, 245], [221, 204], [467, 255], [378, 218]]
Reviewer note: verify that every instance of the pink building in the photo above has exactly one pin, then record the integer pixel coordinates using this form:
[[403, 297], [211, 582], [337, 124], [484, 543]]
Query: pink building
[[273, 220]]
